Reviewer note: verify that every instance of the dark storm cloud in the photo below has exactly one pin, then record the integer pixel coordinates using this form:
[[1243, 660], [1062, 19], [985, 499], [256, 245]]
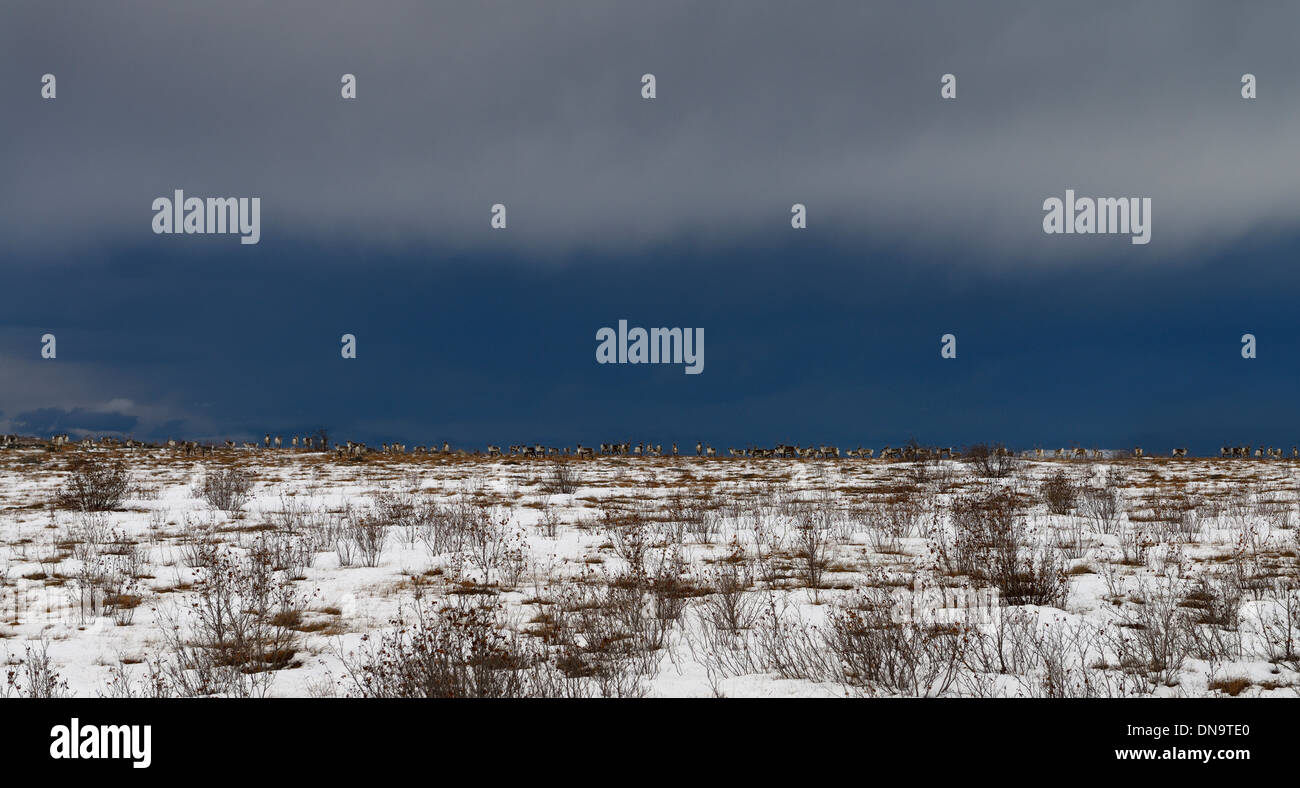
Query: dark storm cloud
[[1050, 356], [761, 104]]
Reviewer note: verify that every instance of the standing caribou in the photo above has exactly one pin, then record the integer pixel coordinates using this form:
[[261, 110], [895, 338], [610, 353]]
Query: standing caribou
[[646, 449]]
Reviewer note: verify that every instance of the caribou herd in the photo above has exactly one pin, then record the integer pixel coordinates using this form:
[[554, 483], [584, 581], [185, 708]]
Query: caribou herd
[[704, 450]]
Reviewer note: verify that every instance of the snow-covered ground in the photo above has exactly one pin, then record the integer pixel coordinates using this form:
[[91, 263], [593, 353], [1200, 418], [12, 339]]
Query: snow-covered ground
[[648, 576]]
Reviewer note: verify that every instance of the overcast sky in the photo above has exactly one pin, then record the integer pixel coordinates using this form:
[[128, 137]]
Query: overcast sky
[[618, 205], [760, 105]]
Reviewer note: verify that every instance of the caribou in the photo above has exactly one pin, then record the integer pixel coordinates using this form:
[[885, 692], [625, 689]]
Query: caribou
[[643, 449]]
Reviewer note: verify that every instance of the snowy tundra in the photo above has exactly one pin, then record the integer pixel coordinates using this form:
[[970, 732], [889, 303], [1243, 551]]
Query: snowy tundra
[[259, 573]]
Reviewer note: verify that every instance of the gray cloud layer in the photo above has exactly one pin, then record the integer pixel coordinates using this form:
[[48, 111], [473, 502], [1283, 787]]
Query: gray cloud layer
[[761, 104]]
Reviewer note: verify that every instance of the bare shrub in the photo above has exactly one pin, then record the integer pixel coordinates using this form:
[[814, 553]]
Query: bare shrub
[[236, 631], [1003, 648], [888, 523], [992, 461], [515, 560], [563, 477], [1153, 637], [34, 675], [1278, 619], [200, 544], [925, 464], [1215, 631], [287, 553], [1067, 662], [226, 489], [454, 651], [550, 521], [94, 486], [107, 581], [669, 586], [1061, 658], [1103, 507], [446, 527], [730, 608], [786, 646], [768, 538], [610, 635], [306, 529], [695, 513], [123, 682], [1071, 537], [398, 510], [1060, 493], [90, 536], [1135, 541], [812, 542], [1177, 512], [363, 538], [990, 545], [485, 537], [631, 537], [878, 654]]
